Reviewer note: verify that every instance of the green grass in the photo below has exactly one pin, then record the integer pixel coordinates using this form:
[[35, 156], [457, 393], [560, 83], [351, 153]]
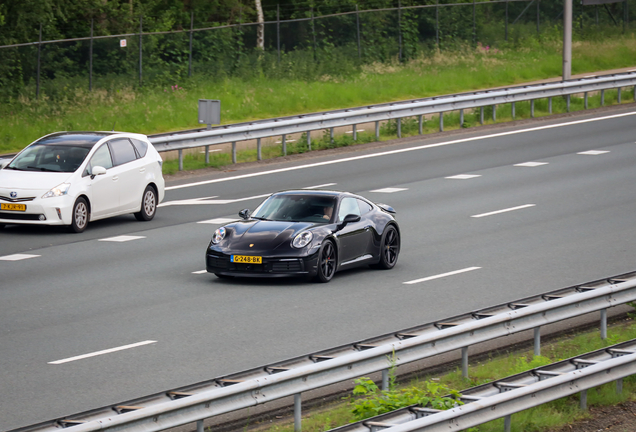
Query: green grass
[[551, 415], [153, 110]]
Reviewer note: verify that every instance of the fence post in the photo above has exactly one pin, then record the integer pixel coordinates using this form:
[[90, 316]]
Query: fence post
[[90, 60], [259, 155], [537, 341], [358, 32], [437, 23], [399, 30], [191, 32], [141, 29], [538, 16], [506, 20], [297, 412], [37, 83], [313, 31], [474, 23], [278, 30], [603, 324], [465, 362]]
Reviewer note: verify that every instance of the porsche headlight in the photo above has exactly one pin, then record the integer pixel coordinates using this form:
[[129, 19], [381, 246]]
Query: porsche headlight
[[218, 235], [57, 191], [302, 239]]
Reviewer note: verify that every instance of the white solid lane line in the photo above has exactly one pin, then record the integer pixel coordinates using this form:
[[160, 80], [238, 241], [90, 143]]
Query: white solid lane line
[[391, 152], [121, 239], [321, 186], [97, 353], [17, 257], [463, 176], [504, 210], [389, 190], [218, 221], [531, 164], [441, 275], [594, 152]]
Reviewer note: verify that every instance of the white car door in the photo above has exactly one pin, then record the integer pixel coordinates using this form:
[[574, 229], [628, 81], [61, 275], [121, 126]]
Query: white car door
[[131, 173], [103, 190]]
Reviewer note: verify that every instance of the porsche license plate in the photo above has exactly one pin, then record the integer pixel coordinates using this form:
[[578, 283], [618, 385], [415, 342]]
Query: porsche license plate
[[13, 207], [246, 259]]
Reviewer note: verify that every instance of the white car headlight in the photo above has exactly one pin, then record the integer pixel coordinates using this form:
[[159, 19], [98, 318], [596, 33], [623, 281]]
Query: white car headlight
[[302, 239], [57, 191], [218, 235]]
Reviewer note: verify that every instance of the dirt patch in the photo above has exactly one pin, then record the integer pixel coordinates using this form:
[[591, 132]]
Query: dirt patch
[[619, 418]]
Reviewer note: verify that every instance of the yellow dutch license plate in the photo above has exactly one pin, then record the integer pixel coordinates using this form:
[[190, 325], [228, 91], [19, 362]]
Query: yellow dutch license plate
[[13, 207], [245, 259]]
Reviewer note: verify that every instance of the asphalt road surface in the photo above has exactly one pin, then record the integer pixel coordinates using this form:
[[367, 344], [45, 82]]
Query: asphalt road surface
[[487, 215]]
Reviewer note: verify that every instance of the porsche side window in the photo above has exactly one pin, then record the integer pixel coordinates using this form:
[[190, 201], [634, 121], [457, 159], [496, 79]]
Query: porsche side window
[[123, 151], [365, 207], [348, 206], [100, 158]]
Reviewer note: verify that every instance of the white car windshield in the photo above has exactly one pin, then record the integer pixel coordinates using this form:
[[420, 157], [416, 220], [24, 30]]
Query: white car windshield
[[49, 158], [297, 208]]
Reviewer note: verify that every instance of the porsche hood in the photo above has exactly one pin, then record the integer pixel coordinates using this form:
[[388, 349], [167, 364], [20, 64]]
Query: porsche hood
[[257, 235]]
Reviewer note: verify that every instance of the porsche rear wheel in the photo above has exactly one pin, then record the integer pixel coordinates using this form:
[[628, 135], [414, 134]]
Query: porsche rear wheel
[[389, 249], [327, 262]]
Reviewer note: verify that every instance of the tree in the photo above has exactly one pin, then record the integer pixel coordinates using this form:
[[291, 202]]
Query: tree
[[260, 31]]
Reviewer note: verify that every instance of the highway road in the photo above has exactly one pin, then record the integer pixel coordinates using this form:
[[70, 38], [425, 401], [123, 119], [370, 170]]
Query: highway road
[[487, 215]]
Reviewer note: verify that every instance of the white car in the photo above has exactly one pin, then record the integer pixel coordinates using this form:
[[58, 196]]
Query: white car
[[71, 178]]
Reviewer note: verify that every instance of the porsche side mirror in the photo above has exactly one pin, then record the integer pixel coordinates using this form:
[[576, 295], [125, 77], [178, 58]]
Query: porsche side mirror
[[244, 214], [97, 170], [350, 218]]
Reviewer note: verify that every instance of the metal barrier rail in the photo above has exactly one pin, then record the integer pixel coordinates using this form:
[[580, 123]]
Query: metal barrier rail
[[506, 396], [294, 376], [377, 113]]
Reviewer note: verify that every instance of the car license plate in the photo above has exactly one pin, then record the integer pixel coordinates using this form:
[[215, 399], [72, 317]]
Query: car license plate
[[245, 259], [13, 207]]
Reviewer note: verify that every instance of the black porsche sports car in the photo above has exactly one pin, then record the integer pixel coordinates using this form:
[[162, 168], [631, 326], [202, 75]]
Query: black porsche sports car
[[306, 233]]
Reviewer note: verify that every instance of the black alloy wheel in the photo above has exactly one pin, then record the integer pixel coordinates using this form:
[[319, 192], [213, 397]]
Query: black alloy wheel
[[79, 218], [390, 248], [326, 262], [148, 205]]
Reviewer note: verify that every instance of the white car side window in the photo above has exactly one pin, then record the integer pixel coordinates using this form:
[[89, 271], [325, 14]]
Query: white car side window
[[348, 206], [100, 158]]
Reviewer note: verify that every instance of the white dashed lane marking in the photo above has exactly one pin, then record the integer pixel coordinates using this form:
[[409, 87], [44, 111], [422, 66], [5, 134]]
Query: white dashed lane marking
[[389, 190], [17, 257], [217, 221], [321, 186], [200, 272], [504, 210], [122, 238], [531, 164], [593, 152], [463, 176], [441, 275], [97, 353]]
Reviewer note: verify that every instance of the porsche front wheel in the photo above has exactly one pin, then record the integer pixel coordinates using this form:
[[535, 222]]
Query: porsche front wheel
[[327, 262]]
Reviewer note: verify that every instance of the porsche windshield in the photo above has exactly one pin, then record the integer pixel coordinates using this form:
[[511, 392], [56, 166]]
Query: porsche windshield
[[297, 208], [50, 158]]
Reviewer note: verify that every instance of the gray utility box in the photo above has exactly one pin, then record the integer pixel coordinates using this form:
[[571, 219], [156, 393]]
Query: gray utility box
[[209, 111]]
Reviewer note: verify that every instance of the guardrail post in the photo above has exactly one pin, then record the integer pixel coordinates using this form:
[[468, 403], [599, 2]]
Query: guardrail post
[[399, 128], [634, 93], [284, 145], [602, 97], [532, 108], [309, 140], [481, 116], [461, 118], [585, 100], [550, 105], [180, 160], [507, 423], [465, 362], [619, 95], [441, 122], [513, 111], [331, 135], [537, 341], [494, 113], [567, 103], [603, 324], [200, 426], [377, 128], [421, 124], [207, 154], [355, 132], [385, 380], [259, 155], [234, 152], [619, 386], [297, 412], [583, 401]]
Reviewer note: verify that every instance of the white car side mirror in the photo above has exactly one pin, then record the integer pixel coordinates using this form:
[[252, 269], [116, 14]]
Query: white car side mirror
[[98, 170]]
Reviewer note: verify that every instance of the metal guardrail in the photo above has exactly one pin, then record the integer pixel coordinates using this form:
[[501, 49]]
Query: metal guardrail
[[516, 393], [378, 113], [294, 376]]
